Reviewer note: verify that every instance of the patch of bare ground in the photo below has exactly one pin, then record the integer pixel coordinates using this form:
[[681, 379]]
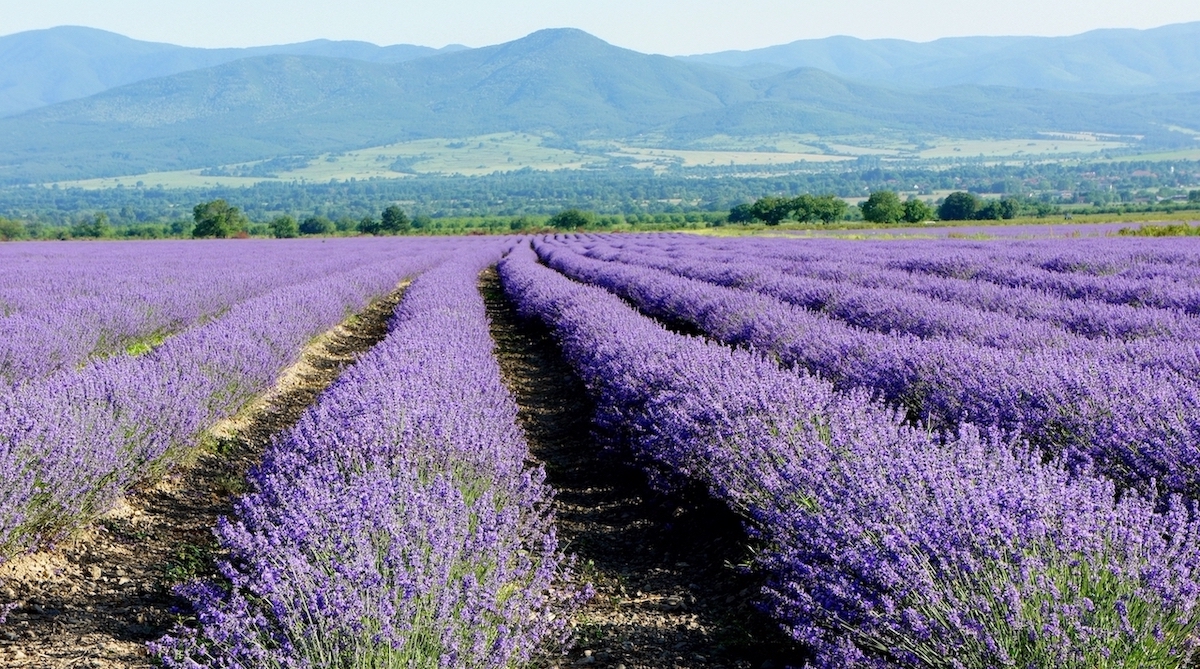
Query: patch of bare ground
[[669, 593], [97, 598]]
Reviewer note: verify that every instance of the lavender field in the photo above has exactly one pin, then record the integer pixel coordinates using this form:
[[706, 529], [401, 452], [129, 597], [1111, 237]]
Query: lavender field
[[940, 452]]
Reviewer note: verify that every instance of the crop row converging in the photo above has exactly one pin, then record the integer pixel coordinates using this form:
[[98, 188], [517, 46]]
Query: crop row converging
[[948, 453]]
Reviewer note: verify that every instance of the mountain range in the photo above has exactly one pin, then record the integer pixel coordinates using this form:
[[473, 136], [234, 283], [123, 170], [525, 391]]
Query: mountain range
[[98, 104], [44, 67], [1160, 60]]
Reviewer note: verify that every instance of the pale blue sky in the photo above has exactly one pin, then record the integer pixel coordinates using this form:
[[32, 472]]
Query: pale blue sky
[[672, 27]]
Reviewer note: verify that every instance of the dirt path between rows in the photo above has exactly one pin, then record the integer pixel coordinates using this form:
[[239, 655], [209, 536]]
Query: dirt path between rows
[[669, 595], [98, 598]]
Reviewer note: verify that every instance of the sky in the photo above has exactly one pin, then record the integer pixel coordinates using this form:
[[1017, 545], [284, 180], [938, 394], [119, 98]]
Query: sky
[[672, 27]]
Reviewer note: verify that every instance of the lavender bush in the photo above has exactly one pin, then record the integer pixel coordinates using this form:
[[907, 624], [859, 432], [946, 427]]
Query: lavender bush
[[885, 545], [62, 304], [72, 441], [869, 295], [1139, 425], [396, 525]]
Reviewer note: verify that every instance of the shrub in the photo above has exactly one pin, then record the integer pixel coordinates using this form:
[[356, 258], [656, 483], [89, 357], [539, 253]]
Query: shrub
[[572, 219], [285, 227], [883, 206]]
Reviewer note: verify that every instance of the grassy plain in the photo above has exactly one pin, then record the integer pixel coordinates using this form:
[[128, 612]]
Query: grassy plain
[[504, 152], [471, 156], [662, 158], [1012, 148]]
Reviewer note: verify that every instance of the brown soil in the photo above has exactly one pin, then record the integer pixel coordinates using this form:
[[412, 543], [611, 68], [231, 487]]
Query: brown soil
[[96, 599], [669, 593]]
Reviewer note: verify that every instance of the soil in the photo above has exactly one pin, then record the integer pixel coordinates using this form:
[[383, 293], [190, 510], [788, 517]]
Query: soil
[[96, 599], [669, 591]]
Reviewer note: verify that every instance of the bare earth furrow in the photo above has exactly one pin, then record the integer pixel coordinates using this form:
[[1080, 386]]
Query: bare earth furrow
[[669, 593], [98, 597]]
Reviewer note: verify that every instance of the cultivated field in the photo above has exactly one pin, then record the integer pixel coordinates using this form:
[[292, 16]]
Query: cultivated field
[[611, 450], [507, 152]]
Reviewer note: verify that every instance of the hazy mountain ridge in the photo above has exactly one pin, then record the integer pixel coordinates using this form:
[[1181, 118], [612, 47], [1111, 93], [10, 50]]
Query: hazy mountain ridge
[[563, 82], [1165, 59], [45, 67]]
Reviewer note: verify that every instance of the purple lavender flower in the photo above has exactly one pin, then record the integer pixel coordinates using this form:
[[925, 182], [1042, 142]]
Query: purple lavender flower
[[397, 524]]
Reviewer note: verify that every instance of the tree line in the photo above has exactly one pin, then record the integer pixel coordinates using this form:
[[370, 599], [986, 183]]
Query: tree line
[[219, 219], [627, 192], [887, 208]]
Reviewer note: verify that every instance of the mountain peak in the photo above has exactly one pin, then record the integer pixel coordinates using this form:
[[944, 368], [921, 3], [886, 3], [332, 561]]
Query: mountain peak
[[560, 37]]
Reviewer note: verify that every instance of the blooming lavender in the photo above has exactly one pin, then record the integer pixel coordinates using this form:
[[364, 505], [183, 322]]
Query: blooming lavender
[[884, 545], [1138, 425], [63, 304], [72, 441], [397, 525]]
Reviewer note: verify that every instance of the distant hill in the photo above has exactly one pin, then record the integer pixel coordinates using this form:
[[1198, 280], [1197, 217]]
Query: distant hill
[[564, 83], [1160, 60], [44, 67]]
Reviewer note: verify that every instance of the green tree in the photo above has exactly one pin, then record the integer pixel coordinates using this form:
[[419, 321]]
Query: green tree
[[317, 225], [803, 208], [989, 211], [96, 228], [996, 210], [1010, 208], [916, 211], [883, 206], [572, 219], [216, 219], [1194, 196], [285, 227], [11, 230], [346, 224], [742, 213], [828, 208], [959, 206], [394, 221], [772, 210], [421, 222], [369, 225]]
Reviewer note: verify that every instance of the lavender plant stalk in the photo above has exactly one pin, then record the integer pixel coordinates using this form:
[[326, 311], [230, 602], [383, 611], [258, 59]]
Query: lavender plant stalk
[[397, 524], [1138, 425], [884, 545], [71, 442]]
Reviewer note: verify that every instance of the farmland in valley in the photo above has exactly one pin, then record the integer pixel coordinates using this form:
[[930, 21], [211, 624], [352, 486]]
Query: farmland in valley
[[675, 450], [509, 152]]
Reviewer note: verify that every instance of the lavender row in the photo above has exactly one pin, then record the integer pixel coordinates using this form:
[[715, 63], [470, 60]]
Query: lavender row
[[70, 443], [949, 306], [889, 310], [1124, 258], [981, 263], [883, 546], [1075, 310], [396, 525], [1137, 426], [61, 304]]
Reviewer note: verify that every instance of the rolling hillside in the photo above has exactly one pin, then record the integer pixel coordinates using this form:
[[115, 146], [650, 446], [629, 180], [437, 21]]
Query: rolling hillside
[[44, 67], [1162, 60], [560, 83]]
